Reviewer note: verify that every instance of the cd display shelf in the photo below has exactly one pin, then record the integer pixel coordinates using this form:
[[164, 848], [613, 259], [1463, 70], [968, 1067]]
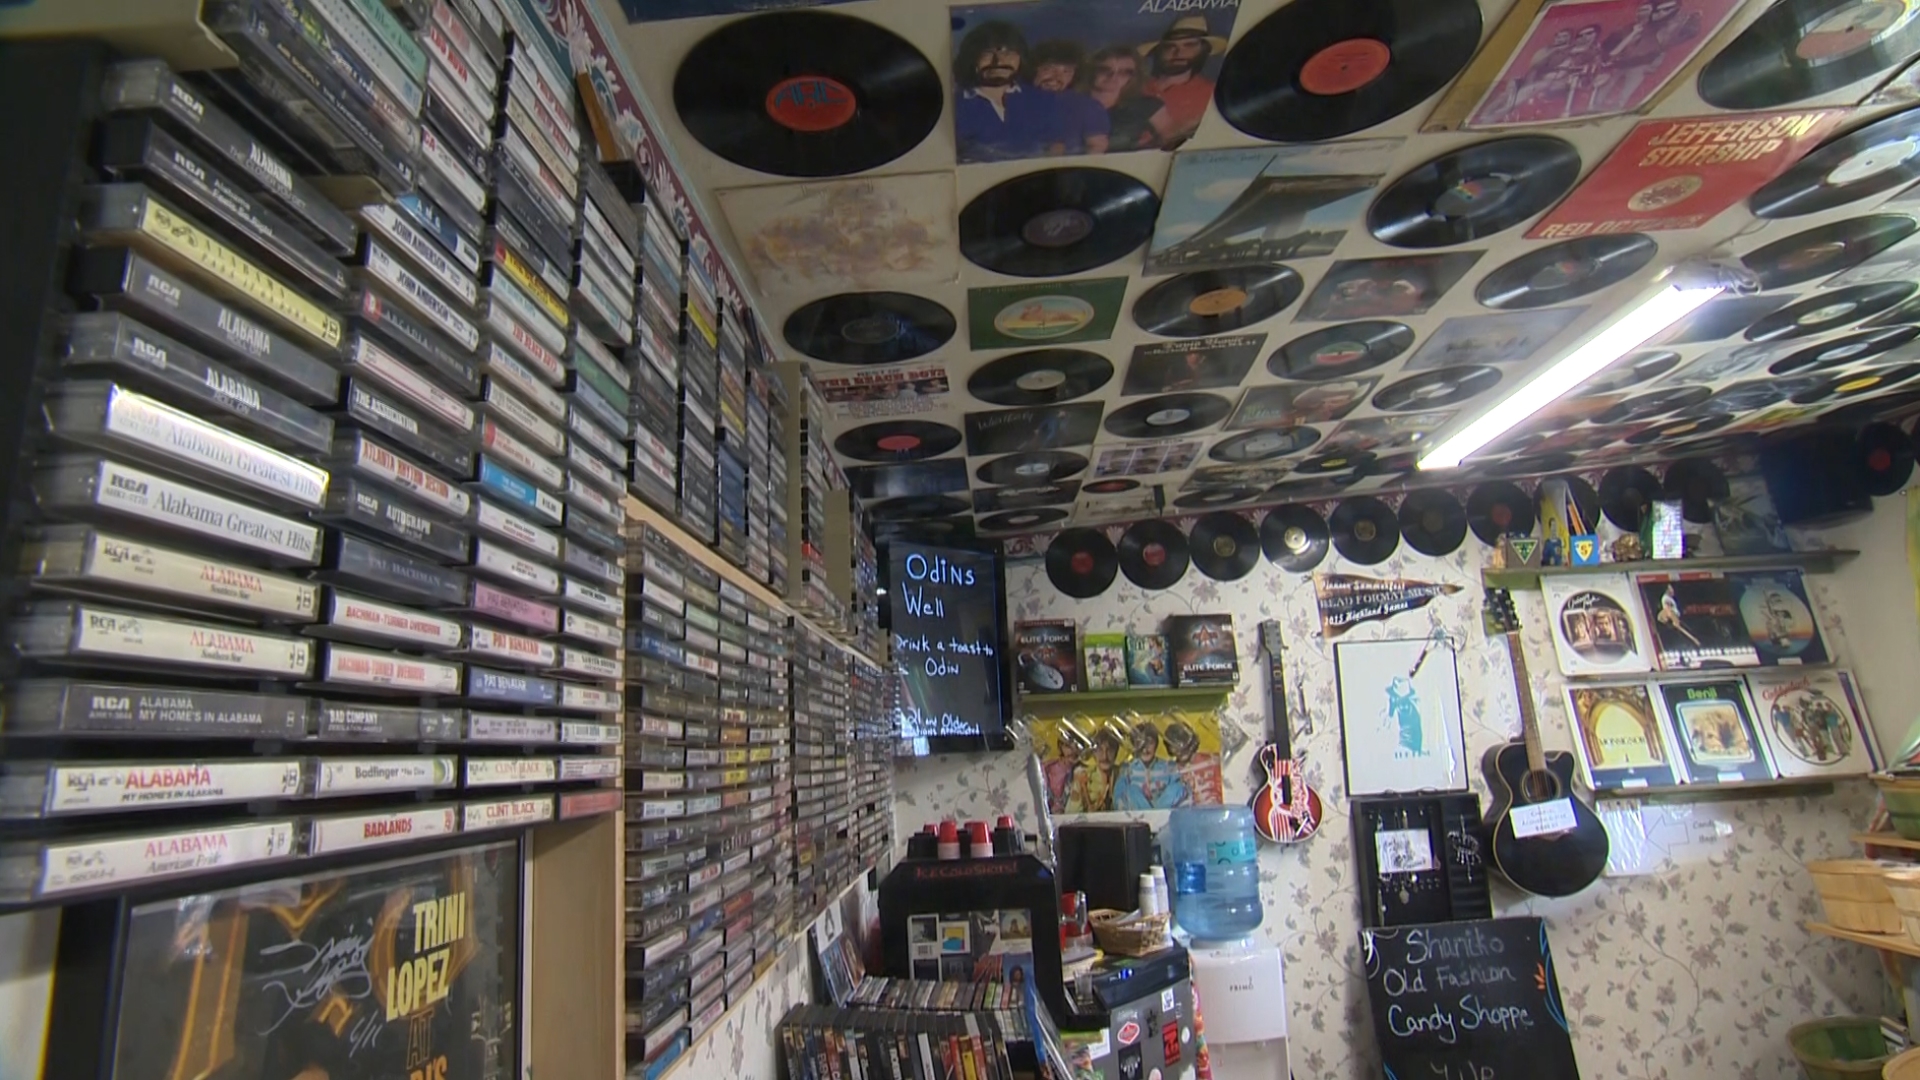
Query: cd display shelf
[[1734, 789], [1133, 698], [1813, 562]]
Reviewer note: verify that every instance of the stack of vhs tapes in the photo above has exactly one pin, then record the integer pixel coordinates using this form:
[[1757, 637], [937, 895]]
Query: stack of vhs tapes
[[931, 1034], [657, 414], [700, 408]]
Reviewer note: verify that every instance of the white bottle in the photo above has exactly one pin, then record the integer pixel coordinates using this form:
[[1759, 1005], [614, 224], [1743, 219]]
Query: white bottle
[[1160, 886], [1149, 897]]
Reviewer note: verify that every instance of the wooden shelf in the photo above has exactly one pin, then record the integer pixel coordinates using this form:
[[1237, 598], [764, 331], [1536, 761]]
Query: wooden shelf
[[1143, 698], [1740, 789], [1814, 562], [1895, 943], [1891, 840]]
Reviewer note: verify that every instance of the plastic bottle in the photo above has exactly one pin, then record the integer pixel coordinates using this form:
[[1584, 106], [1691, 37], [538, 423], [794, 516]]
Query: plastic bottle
[[1216, 872], [1160, 894], [1149, 899]]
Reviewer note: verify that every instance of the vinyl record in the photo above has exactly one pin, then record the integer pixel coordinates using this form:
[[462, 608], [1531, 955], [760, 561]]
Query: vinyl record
[[1081, 562], [1902, 314], [1869, 160], [1474, 192], [1437, 389], [1798, 49], [1826, 249], [1747, 396], [896, 441], [1339, 351], [1698, 483], [1216, 496], [1684, 427], [807, 93], [1499, 508], [914, 507], [928, 531], [1883, 458], [1264, 445], [1889, 407], [1586, 501], [1320, 69], [1850, 385], [915, 478], [1014, 520], [1168, 415], [1294, 537], [1225, 546], [1636, 370], [1364, 529], [995, 500], [1153, 554], [1057, 221], [1209, 302], [1566, 271], [1432, 522], [1852, 349], [1829, 310], [1327, 464], [1037, 467], [1113, 486], [1040, 377], [1654, 403], [1533, 465], [869, 328], [1627, 493]]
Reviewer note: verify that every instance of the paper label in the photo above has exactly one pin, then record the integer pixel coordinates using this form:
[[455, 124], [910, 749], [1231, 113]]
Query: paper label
[[149, 423], [164, 501], [121, 634], [1542, 819], [602, 767], [491, 727], [483, 772], [70, 867], [409, 477], [403, 379], [367, 830], [339, 777], [398, 672], [372, 617], [110, 558], [100, 787], [1402, 851], [185, 239], [497, 644], [505, 813]]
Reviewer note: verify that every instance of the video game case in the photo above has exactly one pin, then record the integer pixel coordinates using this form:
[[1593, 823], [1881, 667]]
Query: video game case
[[44, 869], [359, 619], [495, 480], [364, 405], [506, 813], [354, 452], [94, 634], [355, 503], [488, 685], [336, 777], [333, 833], [494, 602], [84, 559], [339, 721], [101, 489], [367, 671], [69, 708], [513, 412], [367, 565]]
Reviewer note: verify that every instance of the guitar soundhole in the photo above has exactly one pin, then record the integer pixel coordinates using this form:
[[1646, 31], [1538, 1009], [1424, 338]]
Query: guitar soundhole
[[1539, 787]]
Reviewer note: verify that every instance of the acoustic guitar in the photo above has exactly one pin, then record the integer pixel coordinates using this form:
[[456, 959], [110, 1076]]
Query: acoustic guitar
[[1286, 809], [1546, 840]]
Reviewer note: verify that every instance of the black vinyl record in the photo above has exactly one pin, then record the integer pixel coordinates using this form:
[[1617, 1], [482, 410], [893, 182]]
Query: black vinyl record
[[998, 499], [1627, 374], [1586, 501], [1432, 522], [1209, 302], [1012, 520], [1225, 546], [1883, 458], [1654, 403], [1683, 427], [1887, 407], [1869, 160], [1852, 349], [1849, 385], [1530, 465], [1081, 562], [1113, 486], [914, 507], [1698, 483], [1473, 192], [1364, 529], [1339, 351], [869, 328], [1499, 508], [1358, 461], [913, 478], [1215, 496], [1264, 445], [1826, 249], [1057, 221], [1036, 467], [1294, 537], [1748, 396], [1168, 415], [929, 531], [1627, 493], [1040, 377], [1437, 389], [1830, 310], [1153, 554], [807, 93], [1565, 271], [1320, 69], [1799, 49], [896, 441]]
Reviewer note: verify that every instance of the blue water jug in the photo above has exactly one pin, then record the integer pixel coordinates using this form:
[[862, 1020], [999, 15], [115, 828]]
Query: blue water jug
[[1216, 872]]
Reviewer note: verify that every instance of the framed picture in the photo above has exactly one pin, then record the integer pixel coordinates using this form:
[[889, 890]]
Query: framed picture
[[1400, 715]]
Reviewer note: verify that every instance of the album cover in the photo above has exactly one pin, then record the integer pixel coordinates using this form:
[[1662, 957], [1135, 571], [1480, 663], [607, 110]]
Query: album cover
[[889, 391], [1618, 733], [1145, 501], [1160, 763], [1711, 724], [1598, 627], [1047, 655], [1226, 208], [1052, 78], [1728, 363], [1040, 427], [1384, 288], [1147, 660], [1263, 475], [1505, 338], [1778, 616], [1048, 313], [1293, 404], [1680, 174], [1696, 623], [1859, 706], [1105, 658], [1145, 459], [1746, 520], [856, 235], [1206, 364], [1810, 724], [1201, 650], [1384, 434]]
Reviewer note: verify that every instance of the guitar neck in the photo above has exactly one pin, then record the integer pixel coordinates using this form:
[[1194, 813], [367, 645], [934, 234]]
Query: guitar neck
[[1281, 729], [1523, 689]]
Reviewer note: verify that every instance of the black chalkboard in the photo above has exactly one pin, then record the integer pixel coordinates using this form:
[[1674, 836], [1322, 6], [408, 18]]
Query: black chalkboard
[[946, 627], [1471, 1000]]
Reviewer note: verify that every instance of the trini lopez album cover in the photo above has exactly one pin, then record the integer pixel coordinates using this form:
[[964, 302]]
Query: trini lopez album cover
[[1618, 733], [1048, 654], [1711, 724], [1695, 619], [1809, 723], [1203, 650]]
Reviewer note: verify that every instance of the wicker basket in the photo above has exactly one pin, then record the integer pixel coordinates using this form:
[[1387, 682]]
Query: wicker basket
[[1137, 938], [1903, 887], [1854, 894], [1902, 796], [1903, 1066]]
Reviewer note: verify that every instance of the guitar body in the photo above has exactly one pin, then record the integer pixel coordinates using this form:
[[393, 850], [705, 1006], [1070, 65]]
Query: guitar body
[[1554, 864], [1285, 809]]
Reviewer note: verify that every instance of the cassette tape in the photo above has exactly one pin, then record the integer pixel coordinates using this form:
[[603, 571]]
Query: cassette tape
[[358, 504], [452, 32], [509, 231], [467, 90], [584, 429], [516, 454], [356, 453], [368, 671], [656, 809], [496, 520], [585, 401], [46, 869], [578, 558], [594, 300], [360, 563], [655, 492], [514, 413], [353, 618], [591, 469], [384, 270], [501, 772], [340, 721], [607, 209], [459, 189], [500, 289], [78, 558], [583, 528], [493, 479], [368, 360], [525, 381], [517, 730], [527, 139], [502, 564], [575, 804], [491, 601], [531, 298], [548, 207], [491, 686], [584, 498], [86, 633], [589, 665], [429, 215], [479, 816], [346, 832], [337, 777], [498, 646], [365, 406], [461, 129], [648, 754], [590, 699], [590, 733], [514, 200], [71, 708], [582, 595], [45, 789], [592, 767]]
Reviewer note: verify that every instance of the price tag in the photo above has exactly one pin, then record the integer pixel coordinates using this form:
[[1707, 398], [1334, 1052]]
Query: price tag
[[1542, 819]]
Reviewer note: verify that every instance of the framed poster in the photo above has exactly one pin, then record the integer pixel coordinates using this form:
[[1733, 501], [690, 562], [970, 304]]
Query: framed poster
[[1400, 715], [1810, 725], [398, 969], [1618, 734], [1714, 736]]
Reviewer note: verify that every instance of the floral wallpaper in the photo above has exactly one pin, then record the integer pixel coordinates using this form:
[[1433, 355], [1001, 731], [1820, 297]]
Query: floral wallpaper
[[1695, 969]]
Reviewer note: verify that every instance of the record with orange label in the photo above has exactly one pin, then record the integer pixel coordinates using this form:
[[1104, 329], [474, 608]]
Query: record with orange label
[[1209, 302]]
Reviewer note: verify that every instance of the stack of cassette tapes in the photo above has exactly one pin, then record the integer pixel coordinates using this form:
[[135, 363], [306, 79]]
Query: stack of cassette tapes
[[731, 453], [872, 768], [700, 408], [656, 439], [779, 475], [821, 737], [759, 462], [863, 629], [708, 898], [812, 474]]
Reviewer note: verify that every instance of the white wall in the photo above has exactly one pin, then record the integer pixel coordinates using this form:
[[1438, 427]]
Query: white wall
[[1874, 595], [26, 981]]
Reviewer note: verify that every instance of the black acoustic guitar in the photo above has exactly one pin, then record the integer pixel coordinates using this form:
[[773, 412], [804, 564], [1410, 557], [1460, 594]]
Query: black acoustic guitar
[[1546, 840]]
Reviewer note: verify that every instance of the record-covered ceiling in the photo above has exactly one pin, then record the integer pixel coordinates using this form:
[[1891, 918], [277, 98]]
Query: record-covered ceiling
[[1063, 262]]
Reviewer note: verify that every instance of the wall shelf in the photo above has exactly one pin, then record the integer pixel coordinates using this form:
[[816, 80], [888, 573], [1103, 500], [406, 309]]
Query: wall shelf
[[1813, 562], [1740, 789], [1887, 840], [1894, 943], [1140, 698]]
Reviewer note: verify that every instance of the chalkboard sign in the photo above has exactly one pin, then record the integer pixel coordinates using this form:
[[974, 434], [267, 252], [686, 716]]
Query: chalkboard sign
[[1471, 1000], [949, 665]]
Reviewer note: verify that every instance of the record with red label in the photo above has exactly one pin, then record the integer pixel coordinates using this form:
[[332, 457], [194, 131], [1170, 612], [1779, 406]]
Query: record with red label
[[1016, 520], [1432, 522], [1168, 415], [1209, 302], [1830, 310], [1437, 389], [1474, 192], [1499, 508], [1153, 554], [1365, 530], [1057, 221], [896, 441], [1339, 351], [1799, 49], [1294, 537], [1872, 159], [1081, 562], [1565, 271], [1036, 467], [1225, 546], [1320, 69], [869, 328], [807, 93], [1883, 458], [1826, 249], [1040, 377]]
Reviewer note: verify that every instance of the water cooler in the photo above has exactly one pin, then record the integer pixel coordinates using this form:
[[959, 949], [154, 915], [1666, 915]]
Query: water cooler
[[1239, 980]]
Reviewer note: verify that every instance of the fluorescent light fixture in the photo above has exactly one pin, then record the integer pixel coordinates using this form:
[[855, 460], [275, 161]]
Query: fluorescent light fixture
[[1663, 309]]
